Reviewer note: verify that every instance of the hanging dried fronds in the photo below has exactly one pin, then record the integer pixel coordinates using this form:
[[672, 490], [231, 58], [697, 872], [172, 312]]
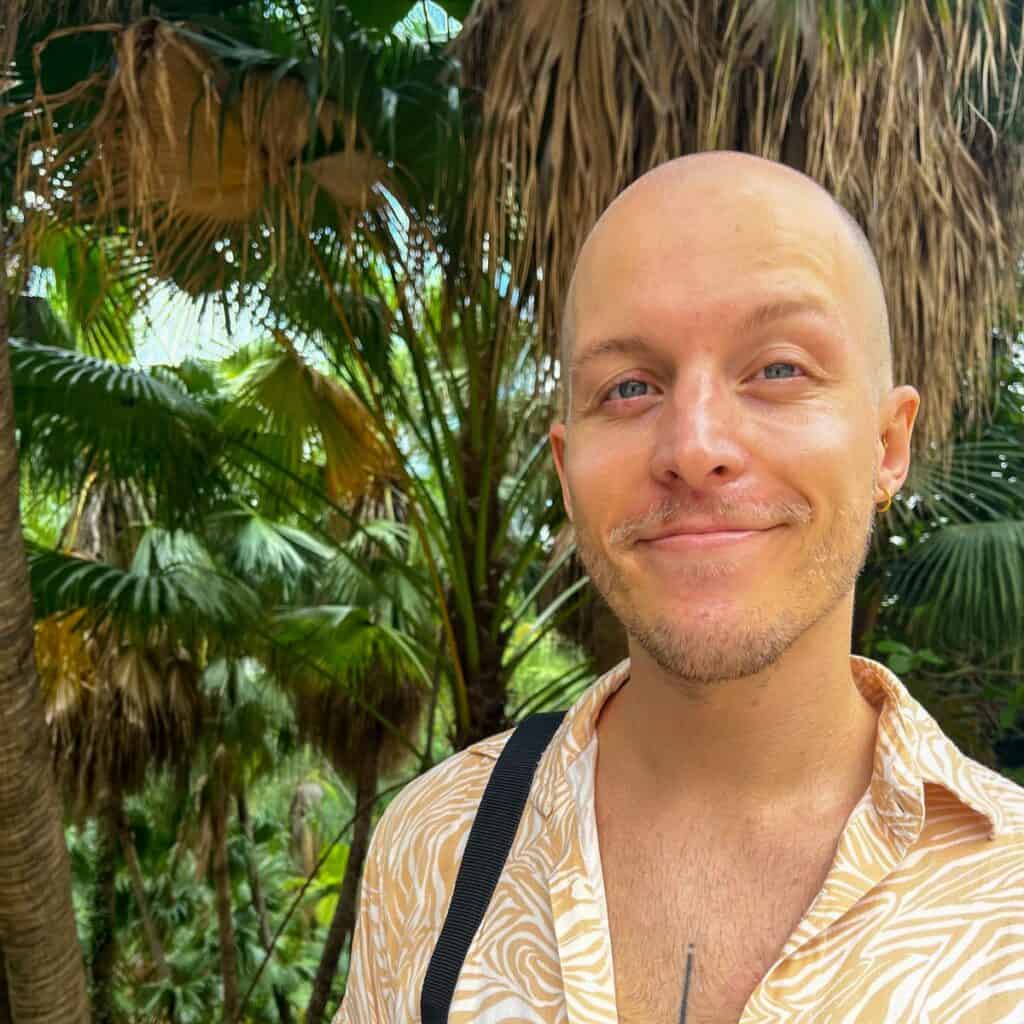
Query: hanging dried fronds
[[355, 690], [199, 158], [905, 112], [118, 702]]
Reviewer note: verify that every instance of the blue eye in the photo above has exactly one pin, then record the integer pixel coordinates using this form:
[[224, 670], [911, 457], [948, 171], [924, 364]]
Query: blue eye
[[628, 380], [775, 376]]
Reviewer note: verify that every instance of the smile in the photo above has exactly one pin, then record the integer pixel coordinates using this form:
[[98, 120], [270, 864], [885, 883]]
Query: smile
[[702, 541]]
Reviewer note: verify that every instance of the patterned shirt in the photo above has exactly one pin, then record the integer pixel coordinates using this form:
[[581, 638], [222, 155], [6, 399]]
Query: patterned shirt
[[920, 918]]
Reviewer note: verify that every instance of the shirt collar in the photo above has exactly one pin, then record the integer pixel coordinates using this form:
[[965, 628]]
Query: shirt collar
[[910, 750]]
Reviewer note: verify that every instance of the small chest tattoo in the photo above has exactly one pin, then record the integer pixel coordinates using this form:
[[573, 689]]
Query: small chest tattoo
[[686, 983]]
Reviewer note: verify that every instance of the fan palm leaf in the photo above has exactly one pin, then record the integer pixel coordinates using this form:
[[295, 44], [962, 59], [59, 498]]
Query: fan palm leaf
[[78, 414], [300, 400], [984, 479], [351, 678], [267, 553], [171, 579], [963, 587]]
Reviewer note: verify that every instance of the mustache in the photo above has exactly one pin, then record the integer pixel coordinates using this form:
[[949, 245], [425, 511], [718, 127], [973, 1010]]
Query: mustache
[[732, 513]]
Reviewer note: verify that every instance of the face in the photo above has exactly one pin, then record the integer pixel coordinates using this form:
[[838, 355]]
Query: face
[[722, 377]]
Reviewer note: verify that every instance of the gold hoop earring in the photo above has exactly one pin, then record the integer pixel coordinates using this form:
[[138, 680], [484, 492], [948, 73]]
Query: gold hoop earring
[[888, 501]]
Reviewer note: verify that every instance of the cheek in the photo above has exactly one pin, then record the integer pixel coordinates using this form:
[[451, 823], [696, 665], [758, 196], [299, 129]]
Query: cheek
[[601, 476], [822, 447]]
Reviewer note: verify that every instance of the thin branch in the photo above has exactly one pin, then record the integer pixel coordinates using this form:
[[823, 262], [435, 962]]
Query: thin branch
[[305, 886]]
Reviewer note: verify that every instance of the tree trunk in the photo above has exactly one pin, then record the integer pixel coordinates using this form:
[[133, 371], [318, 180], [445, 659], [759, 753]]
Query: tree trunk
[[345, 912], [481, 643], [225, 921], [103, 950], [284, 1010], [131, 856], [45, 972]]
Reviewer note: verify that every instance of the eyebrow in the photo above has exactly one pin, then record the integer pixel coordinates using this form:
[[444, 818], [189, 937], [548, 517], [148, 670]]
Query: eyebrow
[[766, 313]]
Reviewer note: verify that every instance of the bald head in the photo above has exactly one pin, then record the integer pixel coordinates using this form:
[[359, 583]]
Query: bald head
[[746, 203]]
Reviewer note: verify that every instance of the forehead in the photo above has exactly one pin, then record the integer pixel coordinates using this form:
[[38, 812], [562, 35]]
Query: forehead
[[708, 252]]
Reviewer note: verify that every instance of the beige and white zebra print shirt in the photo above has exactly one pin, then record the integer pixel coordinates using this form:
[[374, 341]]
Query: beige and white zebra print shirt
[[920, 919]]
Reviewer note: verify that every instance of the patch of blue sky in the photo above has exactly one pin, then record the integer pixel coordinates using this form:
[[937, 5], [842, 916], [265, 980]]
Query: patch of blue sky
[[427, 20]]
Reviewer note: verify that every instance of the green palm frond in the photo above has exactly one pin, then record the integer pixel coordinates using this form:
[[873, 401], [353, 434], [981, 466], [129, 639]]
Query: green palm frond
[[95, 286], [369, 566], [173, 581], [77, 414], [302, 299], [267, 553], [984, 479], [345, 640], [963, 587], [298, 401]]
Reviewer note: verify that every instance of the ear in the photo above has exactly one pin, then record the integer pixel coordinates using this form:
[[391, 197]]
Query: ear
[[557, 438], [896, 426]]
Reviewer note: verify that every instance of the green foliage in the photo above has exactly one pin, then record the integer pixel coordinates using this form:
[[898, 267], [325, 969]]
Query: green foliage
[[953, 579], [904, 660], [94, 287], [132, 425], [173, 579]]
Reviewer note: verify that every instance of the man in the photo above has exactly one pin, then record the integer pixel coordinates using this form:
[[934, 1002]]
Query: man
[[742, 821]]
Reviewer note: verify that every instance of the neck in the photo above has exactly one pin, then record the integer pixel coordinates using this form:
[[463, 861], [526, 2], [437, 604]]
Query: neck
[[797, 738]]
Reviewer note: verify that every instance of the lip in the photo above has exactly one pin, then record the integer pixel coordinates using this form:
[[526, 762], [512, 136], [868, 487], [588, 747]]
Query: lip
[[700, 541]]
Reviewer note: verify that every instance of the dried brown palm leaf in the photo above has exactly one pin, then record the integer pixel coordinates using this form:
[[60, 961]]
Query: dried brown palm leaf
[[349, 177], [343, 730], [115, 710], [903, 112]]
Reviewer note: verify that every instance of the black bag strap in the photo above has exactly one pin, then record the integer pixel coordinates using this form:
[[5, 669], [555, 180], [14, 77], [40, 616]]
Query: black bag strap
[[490, 839]]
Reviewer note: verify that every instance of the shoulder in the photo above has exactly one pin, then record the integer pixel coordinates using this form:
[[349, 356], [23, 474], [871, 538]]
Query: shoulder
[[430, 818]]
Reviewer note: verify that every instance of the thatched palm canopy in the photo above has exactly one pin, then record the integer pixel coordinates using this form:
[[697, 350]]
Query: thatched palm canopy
[[908, 112]]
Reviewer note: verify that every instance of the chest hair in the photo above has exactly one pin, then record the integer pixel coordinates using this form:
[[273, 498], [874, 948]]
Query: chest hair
[[734, 899]]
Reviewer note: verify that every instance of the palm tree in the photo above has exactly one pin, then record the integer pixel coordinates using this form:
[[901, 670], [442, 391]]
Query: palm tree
[[116, 706], [574, 105], [122, 695], [357, 673], [293, 199]]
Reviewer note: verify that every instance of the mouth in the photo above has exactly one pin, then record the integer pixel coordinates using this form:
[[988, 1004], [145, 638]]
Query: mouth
[[703, 541]]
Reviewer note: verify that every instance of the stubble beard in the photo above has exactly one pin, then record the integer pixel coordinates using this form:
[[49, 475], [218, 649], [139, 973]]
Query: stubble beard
[[702, 650]]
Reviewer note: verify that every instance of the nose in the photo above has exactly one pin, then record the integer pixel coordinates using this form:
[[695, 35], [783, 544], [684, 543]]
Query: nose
[[697, 438]]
